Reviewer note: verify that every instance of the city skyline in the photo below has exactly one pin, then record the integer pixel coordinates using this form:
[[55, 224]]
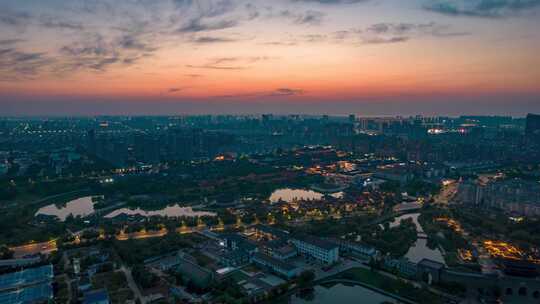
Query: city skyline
[[368, 57]]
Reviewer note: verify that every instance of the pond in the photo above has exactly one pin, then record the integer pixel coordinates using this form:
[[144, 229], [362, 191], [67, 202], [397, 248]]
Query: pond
[[288, 195], [420, 249], [341, 293], [83, 206], [169, 211]]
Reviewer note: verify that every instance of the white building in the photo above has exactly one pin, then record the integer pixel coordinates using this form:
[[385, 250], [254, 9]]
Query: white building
[[323, 251]]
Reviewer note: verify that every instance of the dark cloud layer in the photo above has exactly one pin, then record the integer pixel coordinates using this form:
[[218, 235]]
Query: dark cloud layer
[[480, 8], [332, 1]]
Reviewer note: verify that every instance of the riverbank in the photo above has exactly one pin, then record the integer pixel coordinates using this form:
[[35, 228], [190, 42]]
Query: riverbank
[[398, 289]]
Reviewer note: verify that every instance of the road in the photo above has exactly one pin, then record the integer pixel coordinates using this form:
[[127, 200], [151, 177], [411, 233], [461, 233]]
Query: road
[[132, 285], [44, 248]]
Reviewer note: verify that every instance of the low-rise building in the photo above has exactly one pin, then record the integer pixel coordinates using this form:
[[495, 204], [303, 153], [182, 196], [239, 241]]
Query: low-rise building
[[356, 249], [322, 251], [234, 258], [278, 249], [96, 297], [430, 271], [269, 233], [278, 267], [198, 275], [403, 267]]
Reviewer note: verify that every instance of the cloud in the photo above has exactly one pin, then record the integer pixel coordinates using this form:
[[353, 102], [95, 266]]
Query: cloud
[[480, 8], [286, 92], [19, 65], [230, 63], [211, 39], [12, 18], [50, 22], [332, 1], [379, 40], [206, 8], [221, 60], [215, 67], [10, 41], [309, 17], [280, 92], [133, 42], [96, 52], [253, 12], [381, 33], [280, 43], [175, 90], [196, 25], [378, 33]]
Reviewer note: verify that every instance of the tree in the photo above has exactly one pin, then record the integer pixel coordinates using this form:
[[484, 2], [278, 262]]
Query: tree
[[5, 253], [143, 277], [306, 278]]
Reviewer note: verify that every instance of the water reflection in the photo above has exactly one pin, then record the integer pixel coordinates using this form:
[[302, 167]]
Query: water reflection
[[79, 207], [169, 211], [341, 293], [288, 195], [420, 249]]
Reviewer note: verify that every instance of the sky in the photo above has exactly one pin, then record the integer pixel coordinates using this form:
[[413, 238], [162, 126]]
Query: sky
[[366, 57]]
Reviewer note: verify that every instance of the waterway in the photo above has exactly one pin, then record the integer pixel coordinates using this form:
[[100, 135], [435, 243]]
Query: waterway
[[169, 211], [83, 206], [341, 293], [420, 249], [288, 195]]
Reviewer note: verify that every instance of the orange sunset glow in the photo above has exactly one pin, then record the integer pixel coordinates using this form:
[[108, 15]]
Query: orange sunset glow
[[256, 56]]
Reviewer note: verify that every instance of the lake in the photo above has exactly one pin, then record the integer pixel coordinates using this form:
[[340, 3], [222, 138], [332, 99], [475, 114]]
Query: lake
[[79, 207], [341, 293], [288, 195], [169, 211], [420, 249]]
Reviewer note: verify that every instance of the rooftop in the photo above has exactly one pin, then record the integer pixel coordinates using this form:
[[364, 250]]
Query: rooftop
[[275, 262], [26, 277], [95, 296], [317, 242], [431, 264], [32, 294]]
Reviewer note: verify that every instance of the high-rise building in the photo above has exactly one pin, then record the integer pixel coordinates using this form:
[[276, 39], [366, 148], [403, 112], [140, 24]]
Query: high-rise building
[[532, 128], [91, 141], [146, 148]]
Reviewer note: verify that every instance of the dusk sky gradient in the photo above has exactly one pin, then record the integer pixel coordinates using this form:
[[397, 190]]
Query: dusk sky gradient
[[368, 57]]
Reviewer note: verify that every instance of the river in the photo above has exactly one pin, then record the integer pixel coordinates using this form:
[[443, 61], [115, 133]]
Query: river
[[420, 249], [341, 294], [83, 206], [288, 195], [169, 211]]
